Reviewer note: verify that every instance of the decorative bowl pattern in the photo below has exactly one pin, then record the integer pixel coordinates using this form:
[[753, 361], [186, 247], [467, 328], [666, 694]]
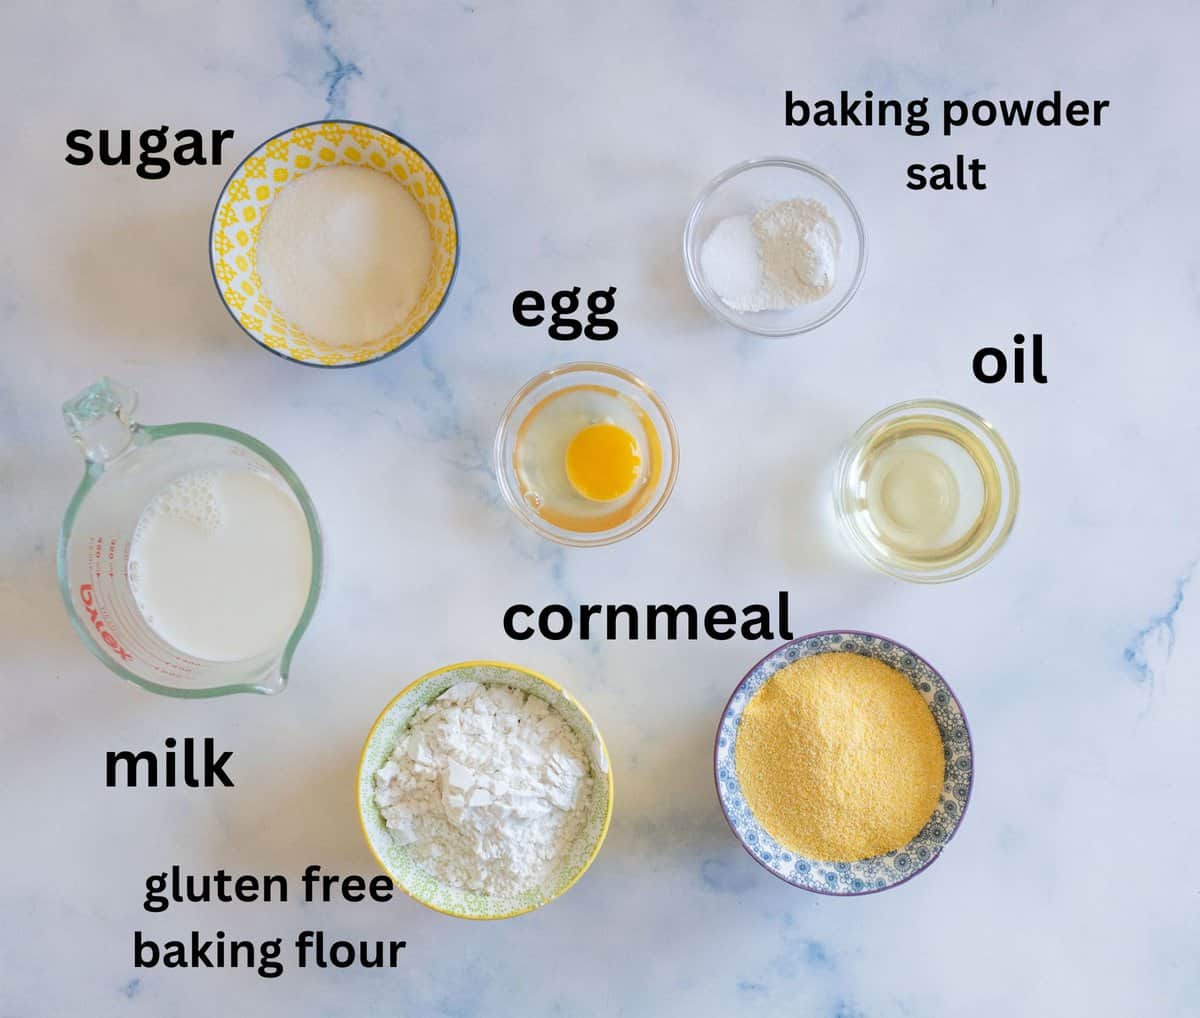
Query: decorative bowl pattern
[[877, 873], [396, 860], [249, 192]]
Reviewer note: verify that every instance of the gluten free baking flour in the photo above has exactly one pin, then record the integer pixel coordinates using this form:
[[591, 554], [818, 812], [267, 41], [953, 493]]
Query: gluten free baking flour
[[489, 787], [344, 252], [782, 256]]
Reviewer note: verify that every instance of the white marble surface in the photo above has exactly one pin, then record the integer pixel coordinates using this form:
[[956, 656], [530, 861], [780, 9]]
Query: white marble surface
[[573, 138]]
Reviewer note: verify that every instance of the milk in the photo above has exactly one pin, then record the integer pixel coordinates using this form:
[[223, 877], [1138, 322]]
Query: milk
[[221, 564]]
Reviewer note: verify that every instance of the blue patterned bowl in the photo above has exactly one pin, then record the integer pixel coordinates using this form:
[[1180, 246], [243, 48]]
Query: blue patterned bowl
[[880, 872]]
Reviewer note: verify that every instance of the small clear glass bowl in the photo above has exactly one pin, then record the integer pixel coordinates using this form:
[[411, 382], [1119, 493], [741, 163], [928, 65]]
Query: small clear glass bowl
[[846, 498], [749, 186], [566, 376]]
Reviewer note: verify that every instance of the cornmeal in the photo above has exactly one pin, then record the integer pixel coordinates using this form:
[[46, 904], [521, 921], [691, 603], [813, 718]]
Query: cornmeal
[[839, 758]]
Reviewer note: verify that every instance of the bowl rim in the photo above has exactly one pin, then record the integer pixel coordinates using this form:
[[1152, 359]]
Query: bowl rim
[[1005, 464], [970, 750], [212, 226], [499, 466], [484, 663], [696, 277]]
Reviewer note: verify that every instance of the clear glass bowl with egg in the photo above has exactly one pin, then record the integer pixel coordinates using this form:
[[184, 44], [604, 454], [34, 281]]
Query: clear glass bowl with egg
[[926, 491], [586, 454], [750, 186]]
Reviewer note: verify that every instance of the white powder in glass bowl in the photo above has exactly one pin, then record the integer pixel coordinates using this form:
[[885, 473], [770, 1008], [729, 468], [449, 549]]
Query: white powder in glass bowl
[[783, 256]]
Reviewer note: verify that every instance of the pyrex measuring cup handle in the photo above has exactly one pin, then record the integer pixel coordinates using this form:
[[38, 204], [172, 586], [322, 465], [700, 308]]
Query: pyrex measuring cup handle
[[100, 419]]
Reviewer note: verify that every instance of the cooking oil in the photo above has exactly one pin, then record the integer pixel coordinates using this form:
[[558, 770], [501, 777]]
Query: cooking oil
[[924, 491]]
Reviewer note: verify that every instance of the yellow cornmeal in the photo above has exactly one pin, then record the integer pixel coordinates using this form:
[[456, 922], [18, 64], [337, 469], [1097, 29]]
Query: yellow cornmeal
[[839, 758]]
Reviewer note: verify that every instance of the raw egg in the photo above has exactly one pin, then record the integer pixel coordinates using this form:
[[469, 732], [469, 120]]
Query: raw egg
[[586, 458], [603, 462]]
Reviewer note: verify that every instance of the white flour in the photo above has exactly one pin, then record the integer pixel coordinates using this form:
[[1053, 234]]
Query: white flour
[[781, 257], [489, 786]]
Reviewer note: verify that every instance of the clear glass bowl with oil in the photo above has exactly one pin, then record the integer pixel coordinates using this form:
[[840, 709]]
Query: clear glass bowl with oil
[[927, 491]]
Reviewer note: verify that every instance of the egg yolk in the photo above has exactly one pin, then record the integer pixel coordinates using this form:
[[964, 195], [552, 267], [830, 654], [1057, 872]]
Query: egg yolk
[[603, 462]]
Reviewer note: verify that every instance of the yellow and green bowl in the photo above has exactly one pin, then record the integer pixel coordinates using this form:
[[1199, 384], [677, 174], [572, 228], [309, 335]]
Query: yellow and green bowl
[[248, 194], [396, 860]]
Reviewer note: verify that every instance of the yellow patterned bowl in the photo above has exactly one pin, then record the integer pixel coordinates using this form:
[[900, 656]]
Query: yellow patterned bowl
[[249, 192], [389, 729]]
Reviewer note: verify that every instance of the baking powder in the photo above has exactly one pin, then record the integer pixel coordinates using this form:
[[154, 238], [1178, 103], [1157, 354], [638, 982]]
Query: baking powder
[[782, 256]]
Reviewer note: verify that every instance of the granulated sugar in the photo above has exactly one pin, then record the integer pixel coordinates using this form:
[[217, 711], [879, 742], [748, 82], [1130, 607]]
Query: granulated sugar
[[344, 253], [489, 786]]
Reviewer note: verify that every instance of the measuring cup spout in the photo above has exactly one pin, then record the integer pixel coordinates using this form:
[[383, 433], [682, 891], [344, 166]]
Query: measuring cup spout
[[276, 678], [272, 683], [100, 419]]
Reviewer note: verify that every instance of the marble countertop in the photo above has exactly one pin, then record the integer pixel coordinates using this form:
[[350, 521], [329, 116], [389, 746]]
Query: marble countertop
[[574, 138]]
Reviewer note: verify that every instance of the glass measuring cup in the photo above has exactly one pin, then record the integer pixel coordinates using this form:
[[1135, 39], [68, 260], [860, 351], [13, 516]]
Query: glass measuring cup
[[127, 465]]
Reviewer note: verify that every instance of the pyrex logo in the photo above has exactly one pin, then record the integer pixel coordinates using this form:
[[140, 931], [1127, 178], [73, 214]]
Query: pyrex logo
[[88, 596]]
